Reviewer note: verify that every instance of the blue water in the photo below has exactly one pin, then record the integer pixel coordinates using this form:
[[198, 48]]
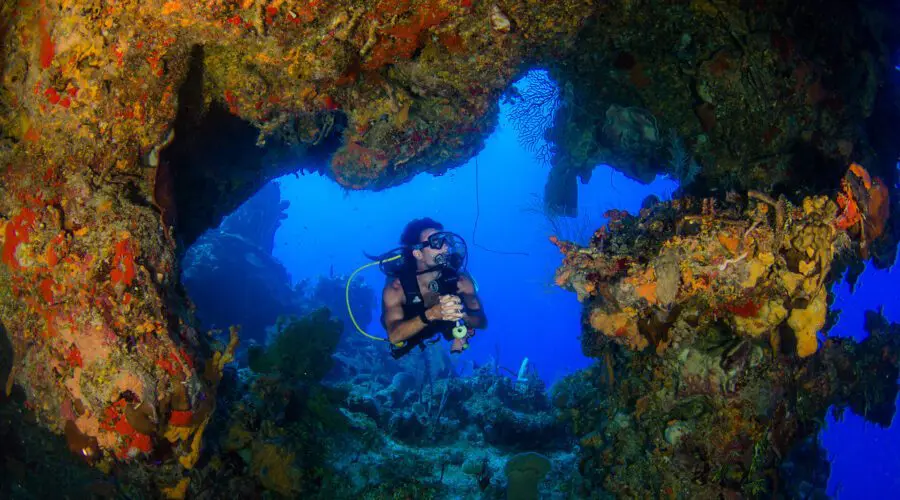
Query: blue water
[[865, 461], [328, 229]]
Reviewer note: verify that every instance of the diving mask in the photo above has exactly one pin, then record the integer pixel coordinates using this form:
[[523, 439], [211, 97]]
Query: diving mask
[[436, 241], [398, 260], [456, 254]]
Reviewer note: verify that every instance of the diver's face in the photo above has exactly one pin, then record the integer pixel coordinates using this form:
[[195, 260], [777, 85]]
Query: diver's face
[[427, 253]]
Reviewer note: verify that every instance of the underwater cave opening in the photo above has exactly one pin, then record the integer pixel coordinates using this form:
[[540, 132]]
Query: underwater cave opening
[[327, 229], [289, 247]]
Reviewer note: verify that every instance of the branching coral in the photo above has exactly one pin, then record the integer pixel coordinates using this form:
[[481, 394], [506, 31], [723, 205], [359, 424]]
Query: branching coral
[[533, 111]]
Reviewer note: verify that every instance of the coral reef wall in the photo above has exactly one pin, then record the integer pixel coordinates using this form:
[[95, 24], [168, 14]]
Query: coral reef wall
[[707, 316], [774, 95], [129, 128]]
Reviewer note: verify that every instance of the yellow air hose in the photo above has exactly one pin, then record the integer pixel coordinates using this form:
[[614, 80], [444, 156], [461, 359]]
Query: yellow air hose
[[347, 298]]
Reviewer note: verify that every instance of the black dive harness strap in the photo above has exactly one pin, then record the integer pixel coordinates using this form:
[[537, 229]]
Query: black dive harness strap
[[446, 284]]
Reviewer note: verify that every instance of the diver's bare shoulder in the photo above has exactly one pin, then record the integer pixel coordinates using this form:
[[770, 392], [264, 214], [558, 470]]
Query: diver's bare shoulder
[[393, 292], [392, 300]]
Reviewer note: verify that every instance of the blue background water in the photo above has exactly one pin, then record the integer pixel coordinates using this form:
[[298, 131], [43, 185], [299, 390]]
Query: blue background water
[[328, 229], [865, 462]]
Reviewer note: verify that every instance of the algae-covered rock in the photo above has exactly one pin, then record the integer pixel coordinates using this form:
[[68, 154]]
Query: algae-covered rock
[[525, 472], [707, 393], [301, 349]]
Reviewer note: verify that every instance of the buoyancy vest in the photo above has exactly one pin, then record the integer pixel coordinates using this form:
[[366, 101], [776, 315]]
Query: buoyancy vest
[[447, 284]]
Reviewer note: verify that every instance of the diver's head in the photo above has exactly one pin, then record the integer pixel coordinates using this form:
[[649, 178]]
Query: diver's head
[[427, 246], [415, 240], [431, 250]]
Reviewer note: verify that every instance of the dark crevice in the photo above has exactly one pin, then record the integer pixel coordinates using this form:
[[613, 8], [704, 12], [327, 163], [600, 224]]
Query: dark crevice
[[6, 360], [213, 164]]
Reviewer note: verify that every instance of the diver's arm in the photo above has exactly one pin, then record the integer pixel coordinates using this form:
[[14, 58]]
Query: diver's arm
[[397, 328], [474, 316]]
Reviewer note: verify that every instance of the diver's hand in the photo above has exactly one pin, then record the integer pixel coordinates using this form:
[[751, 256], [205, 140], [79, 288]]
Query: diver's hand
[[449, 308]]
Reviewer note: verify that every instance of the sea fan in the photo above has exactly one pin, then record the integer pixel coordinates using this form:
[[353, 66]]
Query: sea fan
[[682, 165], [533, 111]]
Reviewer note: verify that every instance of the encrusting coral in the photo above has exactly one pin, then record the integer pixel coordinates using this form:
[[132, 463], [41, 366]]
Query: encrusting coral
[[728, 95], [753, 263], [707, 315], [129, 128], [98, 192]]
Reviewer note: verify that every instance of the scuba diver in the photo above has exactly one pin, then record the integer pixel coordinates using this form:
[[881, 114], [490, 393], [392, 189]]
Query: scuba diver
[[428, 293]]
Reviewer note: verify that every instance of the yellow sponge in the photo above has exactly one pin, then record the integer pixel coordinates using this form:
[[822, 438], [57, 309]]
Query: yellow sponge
[[806, 323]]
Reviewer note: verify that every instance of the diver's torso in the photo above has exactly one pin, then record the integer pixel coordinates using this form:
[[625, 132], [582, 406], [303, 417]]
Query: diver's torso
[[429, 298]]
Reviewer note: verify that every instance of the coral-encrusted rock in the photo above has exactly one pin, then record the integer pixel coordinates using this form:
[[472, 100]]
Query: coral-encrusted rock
[[706, 318], [757, 268], [92, 330], [721, 416], [728, 95], [97, 193]]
